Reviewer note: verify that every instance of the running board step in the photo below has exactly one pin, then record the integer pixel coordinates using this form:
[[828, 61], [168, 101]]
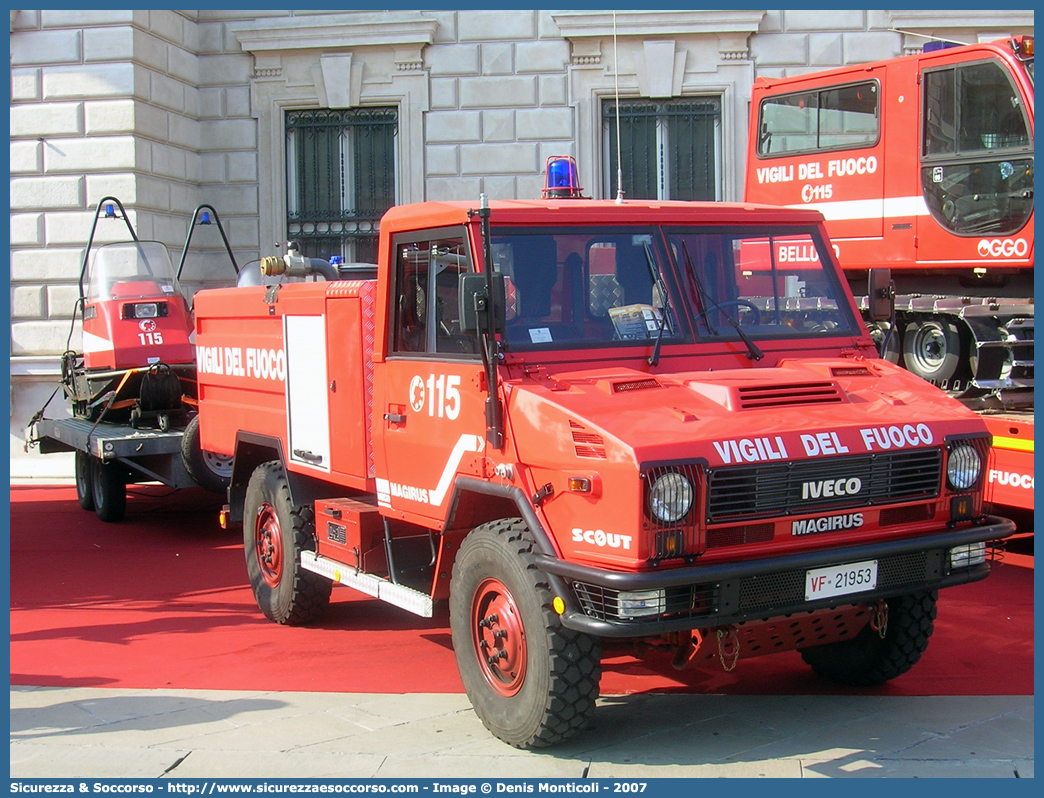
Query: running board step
[[380, 588]]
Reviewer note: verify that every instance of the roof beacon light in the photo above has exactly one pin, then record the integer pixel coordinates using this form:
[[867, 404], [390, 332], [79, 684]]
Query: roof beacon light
[[1023, 46], [561, 180], [939, 44], [204, 217], [110, 210]]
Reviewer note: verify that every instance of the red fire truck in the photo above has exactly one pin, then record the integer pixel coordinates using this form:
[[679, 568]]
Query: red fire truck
[[587, 423], [924, 164]]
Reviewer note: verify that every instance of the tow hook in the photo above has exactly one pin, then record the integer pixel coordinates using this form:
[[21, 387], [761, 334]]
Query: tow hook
[[688, 644], [879, 617]]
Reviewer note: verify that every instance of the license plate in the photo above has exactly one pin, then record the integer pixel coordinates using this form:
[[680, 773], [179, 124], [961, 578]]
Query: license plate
[[840, 580]]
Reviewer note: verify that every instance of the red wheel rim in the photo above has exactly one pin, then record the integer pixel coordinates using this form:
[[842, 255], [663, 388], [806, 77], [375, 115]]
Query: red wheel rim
[[499, 637], [268, 544]]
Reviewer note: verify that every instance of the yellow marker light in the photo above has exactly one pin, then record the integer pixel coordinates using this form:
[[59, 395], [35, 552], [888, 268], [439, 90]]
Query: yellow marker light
[[579, 485], [558, 605]]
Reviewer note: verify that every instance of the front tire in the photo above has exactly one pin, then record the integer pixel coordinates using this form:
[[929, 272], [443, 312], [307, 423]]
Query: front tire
[[274, 534], [532, 682], [109, 490], [84, 481], [868, 660]]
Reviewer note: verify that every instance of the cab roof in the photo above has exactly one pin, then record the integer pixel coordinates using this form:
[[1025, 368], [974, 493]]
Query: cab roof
[[582, 211]]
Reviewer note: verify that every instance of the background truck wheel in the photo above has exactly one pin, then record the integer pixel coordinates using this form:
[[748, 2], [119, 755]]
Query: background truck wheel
[[109, 490], [210, 471], [869, 660], [274, 535], [932, 349], [84, 481], [888, 346], [531, 681]]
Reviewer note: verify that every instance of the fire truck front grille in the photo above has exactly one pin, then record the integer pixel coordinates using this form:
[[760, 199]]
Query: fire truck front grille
[[794, 488], [685, 601], [788, 588]]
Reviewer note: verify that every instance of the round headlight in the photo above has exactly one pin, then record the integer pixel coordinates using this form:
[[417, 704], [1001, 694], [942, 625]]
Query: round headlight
[[963, 467], [671, 498]]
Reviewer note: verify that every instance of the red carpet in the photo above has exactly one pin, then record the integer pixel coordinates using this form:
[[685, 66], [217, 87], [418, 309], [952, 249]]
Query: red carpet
[[161, 600]]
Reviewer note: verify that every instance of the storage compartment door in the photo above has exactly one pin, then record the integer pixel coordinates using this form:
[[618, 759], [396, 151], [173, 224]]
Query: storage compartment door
[[307, 400]]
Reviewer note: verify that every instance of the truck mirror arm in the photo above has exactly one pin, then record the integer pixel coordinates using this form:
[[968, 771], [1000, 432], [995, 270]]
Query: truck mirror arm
[[490, 353]]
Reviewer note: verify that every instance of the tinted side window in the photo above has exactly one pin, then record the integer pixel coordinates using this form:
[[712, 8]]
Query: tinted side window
[[840, 117], [427, 279]]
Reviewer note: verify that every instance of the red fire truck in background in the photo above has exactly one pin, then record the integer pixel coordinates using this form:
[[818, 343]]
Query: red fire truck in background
[[924, 164]]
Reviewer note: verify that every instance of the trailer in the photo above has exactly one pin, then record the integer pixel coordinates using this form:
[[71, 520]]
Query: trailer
[[132, 384], [110, 456]]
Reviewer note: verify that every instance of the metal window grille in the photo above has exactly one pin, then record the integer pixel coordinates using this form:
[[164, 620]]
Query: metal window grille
[[342, 176], [671, 150]]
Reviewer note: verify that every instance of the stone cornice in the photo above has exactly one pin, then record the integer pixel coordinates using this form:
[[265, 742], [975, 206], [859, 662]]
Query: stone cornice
[[586, 24], [338, 32], [951, 20]]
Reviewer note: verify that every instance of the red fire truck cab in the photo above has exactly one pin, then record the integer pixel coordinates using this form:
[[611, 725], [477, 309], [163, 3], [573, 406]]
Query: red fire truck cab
[[584, 422], [924, 164]]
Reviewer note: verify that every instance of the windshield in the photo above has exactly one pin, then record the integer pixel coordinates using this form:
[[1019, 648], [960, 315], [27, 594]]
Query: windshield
[[583, 286], [131, 270], [610, 286], [769, 283]]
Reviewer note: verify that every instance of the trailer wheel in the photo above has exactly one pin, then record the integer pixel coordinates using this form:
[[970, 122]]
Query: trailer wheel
[[109, 490], [868, 659], [531, 681], [274, 535], [84, 481], [210, 471], [932, 349]]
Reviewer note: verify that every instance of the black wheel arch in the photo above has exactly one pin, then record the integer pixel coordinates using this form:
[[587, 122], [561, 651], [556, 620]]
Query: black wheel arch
[[253, 449]]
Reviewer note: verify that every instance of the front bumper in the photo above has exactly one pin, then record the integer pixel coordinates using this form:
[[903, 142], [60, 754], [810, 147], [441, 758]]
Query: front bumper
[[705, 596]]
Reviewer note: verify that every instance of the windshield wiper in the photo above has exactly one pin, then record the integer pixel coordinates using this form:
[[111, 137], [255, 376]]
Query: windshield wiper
[[654, 358], [753, 353]]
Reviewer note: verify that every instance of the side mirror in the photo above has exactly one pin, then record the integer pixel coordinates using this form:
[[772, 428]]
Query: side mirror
[[473, 305], [881, 296]]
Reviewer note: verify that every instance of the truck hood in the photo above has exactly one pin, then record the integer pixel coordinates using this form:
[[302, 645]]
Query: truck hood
[[796, 410]]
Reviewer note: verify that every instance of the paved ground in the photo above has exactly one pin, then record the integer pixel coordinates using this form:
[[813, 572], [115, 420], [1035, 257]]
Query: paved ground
[[87, 732]]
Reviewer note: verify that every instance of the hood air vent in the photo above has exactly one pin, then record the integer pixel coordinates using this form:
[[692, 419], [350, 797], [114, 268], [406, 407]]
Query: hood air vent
[[634, 385], [587, 444], [809, 393]]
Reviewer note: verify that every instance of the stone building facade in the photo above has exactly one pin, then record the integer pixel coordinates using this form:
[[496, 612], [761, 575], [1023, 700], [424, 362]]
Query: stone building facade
[[169, 109]]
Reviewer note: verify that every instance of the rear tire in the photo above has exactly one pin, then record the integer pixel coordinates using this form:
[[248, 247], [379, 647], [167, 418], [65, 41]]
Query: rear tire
[[868, 660], [84, 481], [109, 490], [532, 682], [210, 471], [274, 535]]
